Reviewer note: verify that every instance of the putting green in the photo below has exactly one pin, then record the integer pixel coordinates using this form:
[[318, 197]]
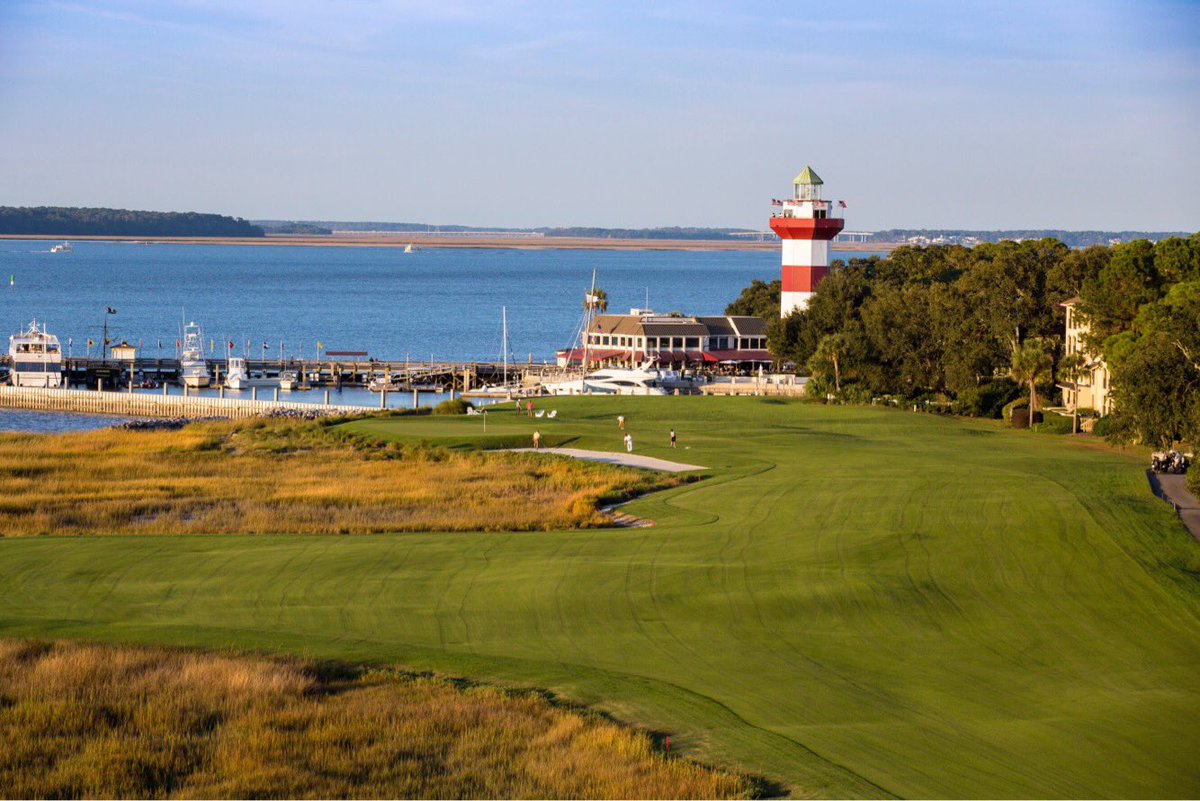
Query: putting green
[[856, 601]]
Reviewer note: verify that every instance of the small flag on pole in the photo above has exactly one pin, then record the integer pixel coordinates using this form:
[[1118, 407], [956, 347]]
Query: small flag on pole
[[90, 343], [841, 204], [109, 310]]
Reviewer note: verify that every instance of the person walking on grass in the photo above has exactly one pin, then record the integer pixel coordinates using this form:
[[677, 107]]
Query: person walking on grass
[[628, 442], [672, 438], [621, 422], [537, 440], [529, 408]]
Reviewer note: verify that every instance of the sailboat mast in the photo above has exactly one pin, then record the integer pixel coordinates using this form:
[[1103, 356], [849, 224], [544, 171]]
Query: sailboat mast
[[504, 339], [589, 307]]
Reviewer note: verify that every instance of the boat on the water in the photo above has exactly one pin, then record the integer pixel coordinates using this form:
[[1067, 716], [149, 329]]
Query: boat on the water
[[611, 381], [193, 370], [239, 377], [36, 358], [236, 375], [289, 381], [65, 247], [383, 382]]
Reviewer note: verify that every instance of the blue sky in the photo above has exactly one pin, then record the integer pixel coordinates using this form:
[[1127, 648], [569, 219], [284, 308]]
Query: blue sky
[[922, 114]]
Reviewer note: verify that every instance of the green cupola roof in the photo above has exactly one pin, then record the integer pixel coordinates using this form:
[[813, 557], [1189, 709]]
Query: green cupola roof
[[808, 178]]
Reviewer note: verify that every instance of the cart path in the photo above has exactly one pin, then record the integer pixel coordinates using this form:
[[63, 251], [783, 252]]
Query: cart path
[[624, 459], [1173, 489]]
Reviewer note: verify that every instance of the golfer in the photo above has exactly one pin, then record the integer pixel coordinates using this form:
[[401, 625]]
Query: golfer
[[672, 438], [621, 421], [537, 440], [628, 442]]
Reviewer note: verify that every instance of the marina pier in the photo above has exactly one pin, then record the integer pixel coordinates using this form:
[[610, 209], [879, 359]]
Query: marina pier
[[404, 376]]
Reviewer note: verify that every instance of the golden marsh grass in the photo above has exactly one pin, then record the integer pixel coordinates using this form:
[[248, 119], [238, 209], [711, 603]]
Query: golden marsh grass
[[262, 477], [103, 722]]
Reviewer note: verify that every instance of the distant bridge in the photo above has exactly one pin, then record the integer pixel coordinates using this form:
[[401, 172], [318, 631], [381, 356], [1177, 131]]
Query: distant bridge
[[764, 236]]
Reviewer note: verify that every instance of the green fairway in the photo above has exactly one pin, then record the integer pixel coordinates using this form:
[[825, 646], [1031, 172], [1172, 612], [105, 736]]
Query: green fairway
[[853, 602]]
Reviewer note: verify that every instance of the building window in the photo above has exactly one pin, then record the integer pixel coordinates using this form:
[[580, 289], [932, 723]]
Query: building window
[[692, 343], [676, 343]]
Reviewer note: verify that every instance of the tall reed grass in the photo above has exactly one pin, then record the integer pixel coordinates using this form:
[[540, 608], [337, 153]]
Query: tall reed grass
[[104, 722], [286, 477]]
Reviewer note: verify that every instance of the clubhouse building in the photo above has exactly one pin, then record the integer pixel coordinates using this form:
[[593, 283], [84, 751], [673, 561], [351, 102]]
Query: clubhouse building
[[643, 337]]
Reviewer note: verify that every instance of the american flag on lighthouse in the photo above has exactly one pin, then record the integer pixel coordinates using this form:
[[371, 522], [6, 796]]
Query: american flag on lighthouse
[[775, 202]]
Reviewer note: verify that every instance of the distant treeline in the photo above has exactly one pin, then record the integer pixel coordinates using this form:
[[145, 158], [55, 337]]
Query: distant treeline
[[1073, 239], [646, 233], [283, 227], [329, 226], [64, 221]]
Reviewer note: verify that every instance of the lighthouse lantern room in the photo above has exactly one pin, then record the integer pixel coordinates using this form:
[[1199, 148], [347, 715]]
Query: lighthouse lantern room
[[806, 224]]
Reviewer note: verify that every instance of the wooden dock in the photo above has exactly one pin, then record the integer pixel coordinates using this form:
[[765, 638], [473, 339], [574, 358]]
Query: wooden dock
[[435, 376], [142, 404]]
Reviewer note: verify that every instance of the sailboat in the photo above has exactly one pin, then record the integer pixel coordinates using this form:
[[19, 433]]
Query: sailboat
[[503, 389], [408, 248]]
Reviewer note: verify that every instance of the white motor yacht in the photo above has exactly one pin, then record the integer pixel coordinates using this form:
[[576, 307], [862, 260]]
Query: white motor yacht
[[289, 380], [193, 370], [610, 381], [65, 247], [36, 358]]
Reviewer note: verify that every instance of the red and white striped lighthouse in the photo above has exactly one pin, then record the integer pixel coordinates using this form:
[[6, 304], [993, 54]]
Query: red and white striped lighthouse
[[805, 224]]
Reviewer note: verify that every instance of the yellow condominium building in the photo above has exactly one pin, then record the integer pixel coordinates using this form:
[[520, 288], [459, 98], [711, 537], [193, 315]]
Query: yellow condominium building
[[1090, 389]]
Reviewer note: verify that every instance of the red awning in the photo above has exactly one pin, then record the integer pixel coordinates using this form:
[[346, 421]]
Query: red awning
[[594, 354], [741, 355]]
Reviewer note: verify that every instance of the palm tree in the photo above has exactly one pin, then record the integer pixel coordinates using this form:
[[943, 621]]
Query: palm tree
[[1032, 363], [1072, 368], [596, 301], [829, 354]]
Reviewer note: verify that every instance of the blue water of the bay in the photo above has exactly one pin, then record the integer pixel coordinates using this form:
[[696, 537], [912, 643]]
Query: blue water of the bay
[[53, 422], [436, 303]]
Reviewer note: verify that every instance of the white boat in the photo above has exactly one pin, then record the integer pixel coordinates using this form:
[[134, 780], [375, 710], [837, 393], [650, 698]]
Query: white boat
[[288, 380], [386, 383], [236, 375], [611, 381], [65, 247], [408, 248], [36, 358], [193, 371]]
